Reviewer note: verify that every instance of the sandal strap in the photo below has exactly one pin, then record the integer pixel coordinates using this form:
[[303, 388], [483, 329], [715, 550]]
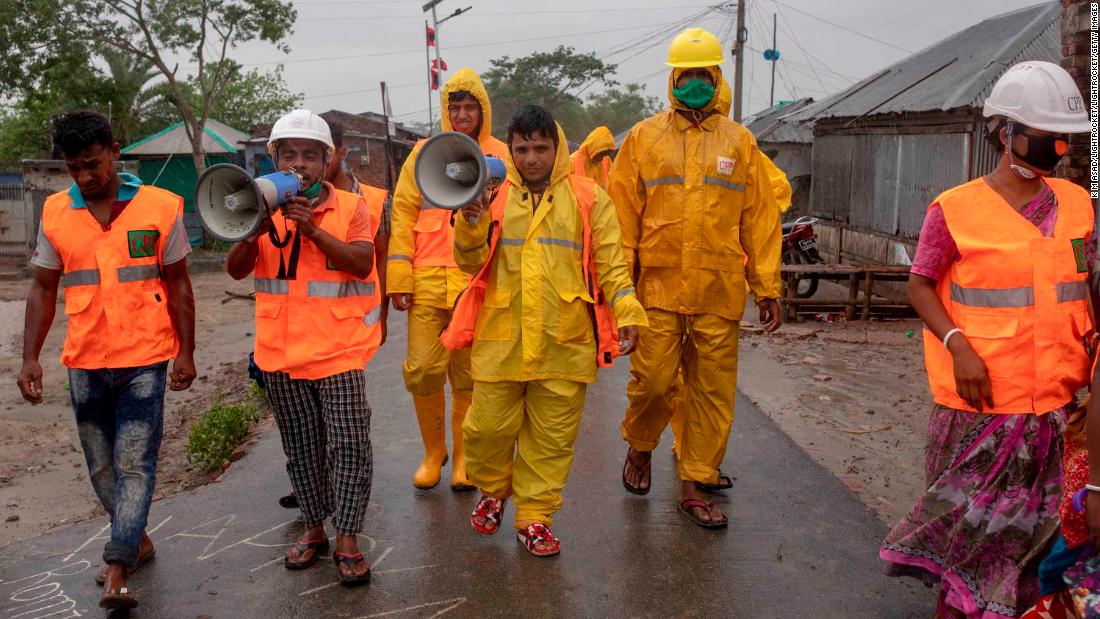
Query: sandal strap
[[355, 556], [693, 503]]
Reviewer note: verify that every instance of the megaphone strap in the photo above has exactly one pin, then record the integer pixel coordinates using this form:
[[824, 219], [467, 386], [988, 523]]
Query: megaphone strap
[[289, 271]]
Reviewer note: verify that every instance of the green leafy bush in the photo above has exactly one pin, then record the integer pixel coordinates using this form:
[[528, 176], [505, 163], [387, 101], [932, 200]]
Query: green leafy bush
[[213, 438]]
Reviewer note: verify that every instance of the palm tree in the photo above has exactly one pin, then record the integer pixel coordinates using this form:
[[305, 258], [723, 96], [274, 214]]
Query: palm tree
[[128, 90]]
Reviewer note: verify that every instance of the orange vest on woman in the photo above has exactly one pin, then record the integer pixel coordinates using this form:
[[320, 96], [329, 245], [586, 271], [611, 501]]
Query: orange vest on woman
[[1020, 298], [115, 298], [324, 321], [459, 332]]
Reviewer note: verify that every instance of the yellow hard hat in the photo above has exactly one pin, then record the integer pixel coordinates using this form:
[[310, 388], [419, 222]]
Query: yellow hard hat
[[694, 48]]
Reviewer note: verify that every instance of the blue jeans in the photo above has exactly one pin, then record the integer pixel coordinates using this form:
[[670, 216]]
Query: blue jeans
[[120, 420]]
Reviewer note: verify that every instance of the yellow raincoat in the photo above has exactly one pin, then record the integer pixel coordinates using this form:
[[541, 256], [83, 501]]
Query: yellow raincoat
[[534, 350], [598, 141], [420, 263], [781, 187], [699, 220]]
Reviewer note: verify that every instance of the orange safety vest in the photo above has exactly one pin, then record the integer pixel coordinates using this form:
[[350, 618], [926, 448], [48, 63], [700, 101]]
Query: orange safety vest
[[376, 202], [322, 322], [1020, 299], [434, 234], [579, 168], [459, 332], [115, 297]]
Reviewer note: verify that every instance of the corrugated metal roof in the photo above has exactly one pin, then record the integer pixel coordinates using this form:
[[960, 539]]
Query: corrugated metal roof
[[772, 124], [958, 71], [218, 139]]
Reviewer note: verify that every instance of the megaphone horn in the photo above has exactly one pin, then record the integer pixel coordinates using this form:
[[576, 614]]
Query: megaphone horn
[[232, 204], [451, 171]]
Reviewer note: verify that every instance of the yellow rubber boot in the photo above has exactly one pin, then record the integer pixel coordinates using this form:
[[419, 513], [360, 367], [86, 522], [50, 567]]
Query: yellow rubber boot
[[431, 411], [460, 403]]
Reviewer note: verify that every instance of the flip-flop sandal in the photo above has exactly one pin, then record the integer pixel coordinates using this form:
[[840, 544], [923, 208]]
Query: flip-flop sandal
[[350, 560], [289, 501], [643, 470], [689, 506], [101, 576], [118, 599], [725, 482], [317, 546], [536, 534], [492, 511]]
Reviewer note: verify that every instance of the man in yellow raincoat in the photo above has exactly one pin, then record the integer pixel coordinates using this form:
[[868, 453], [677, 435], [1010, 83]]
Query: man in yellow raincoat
[[534, 351], [593, 157], [423, 279], [781, 190], [699, 220]]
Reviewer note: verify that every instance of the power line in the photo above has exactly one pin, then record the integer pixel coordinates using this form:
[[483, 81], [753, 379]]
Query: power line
[[797, 43], [504, 13], [844, 28]]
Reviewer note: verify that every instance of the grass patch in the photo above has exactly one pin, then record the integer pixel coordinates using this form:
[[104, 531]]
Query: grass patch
[[223, 427]]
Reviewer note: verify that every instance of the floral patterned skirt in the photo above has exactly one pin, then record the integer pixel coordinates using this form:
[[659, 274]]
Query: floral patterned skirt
[[989, 514]]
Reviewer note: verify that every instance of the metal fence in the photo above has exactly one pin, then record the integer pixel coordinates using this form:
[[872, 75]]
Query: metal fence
[[884, 183]]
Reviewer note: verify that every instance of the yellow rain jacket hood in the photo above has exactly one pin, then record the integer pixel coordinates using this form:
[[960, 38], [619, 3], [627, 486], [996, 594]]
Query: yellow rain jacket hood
[[698, 211], [535, 323], [598, 141], [421, 236]]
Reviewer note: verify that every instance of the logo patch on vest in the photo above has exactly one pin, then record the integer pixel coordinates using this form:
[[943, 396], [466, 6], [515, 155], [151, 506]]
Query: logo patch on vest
[[143, 243], [725, 165], [1079, 255]]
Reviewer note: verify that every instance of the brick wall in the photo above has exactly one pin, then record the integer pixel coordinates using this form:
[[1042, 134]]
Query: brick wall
[[1075, 59]]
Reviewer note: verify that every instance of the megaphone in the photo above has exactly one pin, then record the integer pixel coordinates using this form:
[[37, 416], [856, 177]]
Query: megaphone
[[232, 204], [451, 171]]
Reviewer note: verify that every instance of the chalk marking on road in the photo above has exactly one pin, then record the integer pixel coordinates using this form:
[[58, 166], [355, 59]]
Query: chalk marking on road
[[106, 527], [263, 565], [404, 569], [53, 596], [228, 520], [454, 603], [248, 541], [380, 558]]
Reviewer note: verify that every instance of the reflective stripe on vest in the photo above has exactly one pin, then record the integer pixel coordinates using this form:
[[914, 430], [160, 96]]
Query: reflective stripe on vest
[[339, 290], [270, 285], [138, 273], [1072, 291], [399, 257], [85, 277], [993, 297]]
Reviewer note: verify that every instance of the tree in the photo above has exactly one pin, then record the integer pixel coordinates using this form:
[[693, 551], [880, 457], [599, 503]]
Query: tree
[[557, 80], [553, 80], [204, 30], [125, 90], [620, 109], [250, 99]]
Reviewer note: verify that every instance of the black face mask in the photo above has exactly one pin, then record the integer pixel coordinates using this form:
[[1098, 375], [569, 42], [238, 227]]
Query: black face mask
[[1043, 152]]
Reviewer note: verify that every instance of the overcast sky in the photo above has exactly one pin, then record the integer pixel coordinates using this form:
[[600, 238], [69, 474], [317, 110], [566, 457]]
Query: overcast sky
[[342, 49]]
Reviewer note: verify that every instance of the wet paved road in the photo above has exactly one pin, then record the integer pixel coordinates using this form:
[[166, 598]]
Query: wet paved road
[[799, 543]]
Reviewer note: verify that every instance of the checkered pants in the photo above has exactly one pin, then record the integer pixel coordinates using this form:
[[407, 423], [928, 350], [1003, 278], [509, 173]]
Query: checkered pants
[[325, 428]]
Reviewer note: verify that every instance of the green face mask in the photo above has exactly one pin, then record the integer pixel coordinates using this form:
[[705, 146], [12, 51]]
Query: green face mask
[[313, 191], [695, 94]]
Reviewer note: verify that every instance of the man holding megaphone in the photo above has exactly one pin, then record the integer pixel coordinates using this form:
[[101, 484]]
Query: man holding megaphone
[[424, 279], [551, 300], [316, 312]]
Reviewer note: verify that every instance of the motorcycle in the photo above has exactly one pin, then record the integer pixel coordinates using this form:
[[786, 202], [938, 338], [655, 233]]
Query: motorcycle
[[800, 247]]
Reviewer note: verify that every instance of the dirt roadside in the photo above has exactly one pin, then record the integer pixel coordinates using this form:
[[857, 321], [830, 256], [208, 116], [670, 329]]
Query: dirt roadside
[[43, 478]]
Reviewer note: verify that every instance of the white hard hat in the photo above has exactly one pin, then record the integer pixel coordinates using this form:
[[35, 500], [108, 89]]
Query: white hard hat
[[301, 124], [1041, 95]]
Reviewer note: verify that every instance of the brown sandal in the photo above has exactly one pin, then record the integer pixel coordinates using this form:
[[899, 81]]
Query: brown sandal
[[688, 507], [643, 470], [303, 546]]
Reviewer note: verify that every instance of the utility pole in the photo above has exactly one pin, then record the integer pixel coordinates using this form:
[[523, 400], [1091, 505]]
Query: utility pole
[[739, 52], [428, 62], [388, 159], [430, 6], [775, 57]]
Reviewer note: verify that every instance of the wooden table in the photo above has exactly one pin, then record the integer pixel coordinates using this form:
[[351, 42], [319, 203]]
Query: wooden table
[[856, 275]]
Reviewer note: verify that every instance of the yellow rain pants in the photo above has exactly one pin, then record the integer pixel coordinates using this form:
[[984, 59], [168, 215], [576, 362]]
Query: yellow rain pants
[[706, 346], [519, 443]]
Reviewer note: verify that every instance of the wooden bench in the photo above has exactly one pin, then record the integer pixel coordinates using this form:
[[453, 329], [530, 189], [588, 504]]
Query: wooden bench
[[857, 275]]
